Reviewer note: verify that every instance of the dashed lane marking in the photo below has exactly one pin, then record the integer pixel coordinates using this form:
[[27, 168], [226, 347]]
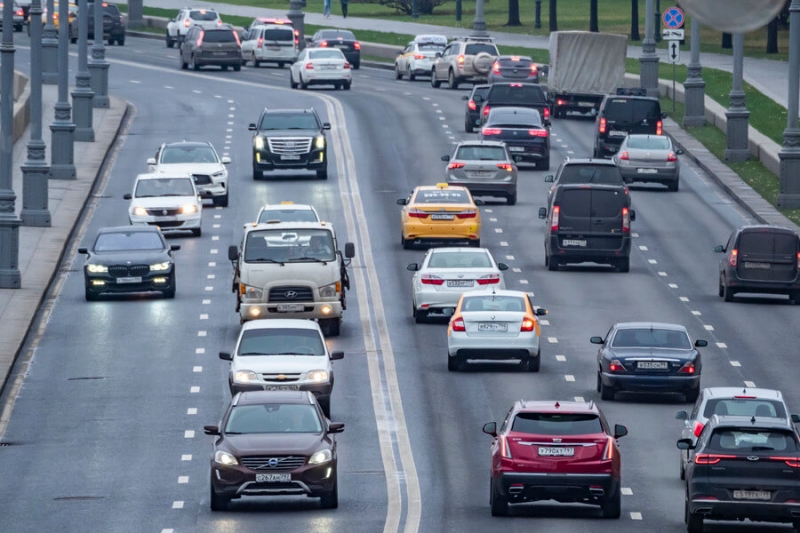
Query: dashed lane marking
[[697, 313], [488, 210], [503, 243], [708, 327], [168, 87], [183, 479], [636, 516], [135, 81], [206, 302], [177, 505], [215, 238], [191, 411], [721, 345], [217, 96], [523, 282], [200, 351], [684, 299], [643, 248], [662, 274], [211, 276], [214, 251], [652, 261], [569, 377], [188, 434], [492, 220], [517, 270], [736, 363], [544, 322], [498, 230], [509, 258], [203, 317], [552, 340], [168, 530], [634, 235], [194, 390], [195, 91], [561, 358], [186, 457], [442, 118], [209, 289], [212, 264], [673, 286], [626, 491], [202, 333], [579, 399], [197, 369]]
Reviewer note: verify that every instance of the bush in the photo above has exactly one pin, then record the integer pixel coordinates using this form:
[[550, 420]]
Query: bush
[[424, 7]]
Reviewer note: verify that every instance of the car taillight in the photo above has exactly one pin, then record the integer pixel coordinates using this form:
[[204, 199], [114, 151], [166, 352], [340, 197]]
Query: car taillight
[[505, 449], [309, 66], [453, 166], [659, 128], [534, 70], [626, 220], [698, 429], [616, 366], [672, 157], [560, 102], [238, 42], [416, 213], [200, 39], [187, 23], [496, 67], [491, 131], [461, 61], [602, 125], [624, 156], [489, 279], [20, 13], [346, 65], [505, 166], [419, 56], [471, 105], [528, 324], [608, 454], [798, 260], [733, 259], [261, 42], [357, 45], [430, 279], [458, 324], [710, 458], [546, 113], [794, 462], [467, 214], [538, 133], [687, 368], [323, 44], [554, 221], [486, 109]]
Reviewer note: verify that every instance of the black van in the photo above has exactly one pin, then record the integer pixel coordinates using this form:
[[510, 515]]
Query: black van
[[760, 259], [588, 223], [629, 111]]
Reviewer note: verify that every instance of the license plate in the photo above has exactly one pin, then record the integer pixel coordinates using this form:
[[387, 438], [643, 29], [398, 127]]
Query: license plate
[[329, 67], [480, 174], [442, 217], [273, 48], [129, 280], [220, 53], [559, 451], [490, 326], [459, 283], [281, 387], [647, 170], [163, 219], [290, 157], [342, 46], [516, 149], [752, 495], [762, 266], [651, 365], [618, 133], [290, 308], [573, 242], [273, 478], [585, 104]]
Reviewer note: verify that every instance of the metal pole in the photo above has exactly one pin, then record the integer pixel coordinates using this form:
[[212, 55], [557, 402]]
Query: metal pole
[[35, 169], [98, 66], [414, 12], [657, 21], [63, 129], [82, 96], [538, 23], [789, 193], [737, 114], [49, 47], [479, 24], [9, 223], [297, 17], [694, 85], [648, 61]]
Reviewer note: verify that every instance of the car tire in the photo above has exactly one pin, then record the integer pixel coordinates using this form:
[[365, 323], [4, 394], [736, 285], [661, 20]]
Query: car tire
[[256, 62], [111, 42], [434, 82], [303, 85], [544, 164], [257, 173], [408, 244], [170, 293], [322, 174], [624, 265], [682, 467], [794, 298], [120, 42], [73, 40], [511, 199], [221, 201], [673, 187], [692, 395], [184, 66], [224, 67], [720, 288], [237, 68], [197, 232], [727, 292], [532, 363], [421, 317], [453, 363], [552, 263], [606, 393], [90, 296], [170, 41], [397, 74], [468, 127], [411, 75], [497, 503], [347, 85], [331, 326], [796, 525], [356, 65], [476, 243], [325, 405], [218, 503], [452, 81], [612, 505], [330, 500], [292, 83]]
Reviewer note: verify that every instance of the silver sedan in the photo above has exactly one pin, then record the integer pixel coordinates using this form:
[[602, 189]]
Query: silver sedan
[[485, 168], [649, 159]]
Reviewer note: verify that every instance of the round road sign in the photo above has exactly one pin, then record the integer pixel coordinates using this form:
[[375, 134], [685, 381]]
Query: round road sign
[[673, 17]]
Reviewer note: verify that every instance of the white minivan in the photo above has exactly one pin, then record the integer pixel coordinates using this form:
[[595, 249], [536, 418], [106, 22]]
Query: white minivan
[[270, 43]]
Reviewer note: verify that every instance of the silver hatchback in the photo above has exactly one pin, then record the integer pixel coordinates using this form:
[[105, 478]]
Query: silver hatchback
[[485, 168]]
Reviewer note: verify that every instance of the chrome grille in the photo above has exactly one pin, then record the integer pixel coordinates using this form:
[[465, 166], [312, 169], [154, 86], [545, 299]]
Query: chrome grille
[[291, 294], [164, 211], [280, 378], [283, 463], [201, 179], [289, 145]]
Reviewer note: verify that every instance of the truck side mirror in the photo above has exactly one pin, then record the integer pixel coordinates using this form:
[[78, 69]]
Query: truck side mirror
[[126, 196], [251, 127], [542, 212], [349, 250], [233, 253]]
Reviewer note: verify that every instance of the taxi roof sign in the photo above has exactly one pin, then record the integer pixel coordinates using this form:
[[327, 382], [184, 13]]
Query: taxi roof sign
[[438, 39], [442, 185], [287, 202]]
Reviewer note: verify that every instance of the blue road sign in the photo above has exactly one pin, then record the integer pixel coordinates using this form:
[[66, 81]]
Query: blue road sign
[[673, 17]]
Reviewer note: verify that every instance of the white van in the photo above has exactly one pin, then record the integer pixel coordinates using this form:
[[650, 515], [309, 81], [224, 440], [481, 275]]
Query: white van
[[270, 43]]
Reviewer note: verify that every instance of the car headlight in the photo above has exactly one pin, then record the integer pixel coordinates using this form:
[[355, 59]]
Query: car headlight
[[244, 376], [253, 293], [259, 142], [188, 209], [321, 457], [319, 142], [97, 269], [329, 291], [140, 211], [221, 174], [160, 266], [317, 376], [224, 458]]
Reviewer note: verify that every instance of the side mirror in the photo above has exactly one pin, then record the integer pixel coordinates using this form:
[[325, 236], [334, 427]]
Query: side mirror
[[83, 251], [445, 158], [685, 444], [480, 202], [465, 98], [349, 250], [413, 267], [620, 431], [233, 253], [326, 126], [438, 54], [400, 52], [174, 247], [402, 201], [541, 311], [681, 415], [225, 356], [543, 212], [251, 127], [796, 419], [664, 115], [517, 158], [719, 249], [337, 355], [126, 196], [679, 152], [211, 430], [151, 161], [226, 160], [632, 214], [490, 429], [335, 427], [502, 266], [596, 340], [700, 343], [549, 178]]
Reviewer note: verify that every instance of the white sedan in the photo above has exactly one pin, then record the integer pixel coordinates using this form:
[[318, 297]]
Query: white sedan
[[495, 325], [169, 202], [446, 273], [321, 66]]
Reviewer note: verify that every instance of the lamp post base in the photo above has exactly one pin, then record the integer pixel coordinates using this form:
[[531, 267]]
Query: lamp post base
[[695, 103], [789, 195], [648, 73], [82, 111], [35, 174], [99, 84], [738, 145], [49, 60], [62, 149], [10, 277]]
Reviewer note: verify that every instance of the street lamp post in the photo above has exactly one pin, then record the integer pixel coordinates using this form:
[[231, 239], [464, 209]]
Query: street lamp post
[[49, 47], [789, 194], [98, 66], [695, 86], [35, 170], [538, 21], [648, 61], [657, 21], [63, 129], [458, 10], [83, 95], [297, 17], [414, 12], [9, 223], [135, 14], [479, 24], [737, 113]]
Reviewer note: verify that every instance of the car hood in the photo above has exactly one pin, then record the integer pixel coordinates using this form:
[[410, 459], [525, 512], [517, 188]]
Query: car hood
[[190, 168], [164, 201], [145, 257], [274, 443], [283, 364], [655, 353], [288, 133]]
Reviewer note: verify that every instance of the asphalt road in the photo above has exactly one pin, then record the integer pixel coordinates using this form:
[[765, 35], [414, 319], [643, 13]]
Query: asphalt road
[[106, 433]]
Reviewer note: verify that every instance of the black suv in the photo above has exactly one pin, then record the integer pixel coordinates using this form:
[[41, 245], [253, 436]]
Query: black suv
[[743, 468], [472, 114], [572, 171], [760, 259], [289, 139], [530, 95], [629, 111], [113, 24]]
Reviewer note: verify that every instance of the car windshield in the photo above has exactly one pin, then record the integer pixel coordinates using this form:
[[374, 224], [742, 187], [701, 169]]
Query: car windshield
[[203, 15], [607, 174], [476, 259], [289, 246], [273, 418], [651, 338], [128, 241], [649, 143], [288, 215], [322, 53], [188, 154], [557, 424], [164, 187], [481, 153], [744, 407], [288, 121], [281, 341], [477, 48], [442, 196], [503, 119], [493, 303], [753, 440]]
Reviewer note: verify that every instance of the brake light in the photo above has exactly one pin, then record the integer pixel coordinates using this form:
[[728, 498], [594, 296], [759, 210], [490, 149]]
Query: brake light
[[261, 42], [538, 133], [20, 13], [616, 366], [534, 69], [309, 66], [624, 156], [733, 259], [458, 324], [547, 113], [528, 324], [560, 102], [486, 109], [672, 157], [453, 166], [416, 56], [710, 458], [467, 214], [798, 260], [496, 67], [430, 279], [745, 397], [626, 220], [491, 131], [346, 65], [659, 128], [687, 368], [471, 105], [187, 23], [505, 166], [602, 125], [698, 429], [515, 85], [416, 213], [219, 22], [461, 61], [489, 279], [794, 462], [357, 45], [200, 38], [323, 44], [609, 453], [505, 449], [554, 221]]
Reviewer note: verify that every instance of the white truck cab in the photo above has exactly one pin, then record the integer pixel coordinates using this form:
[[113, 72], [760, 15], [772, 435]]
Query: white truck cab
[[291, 270]]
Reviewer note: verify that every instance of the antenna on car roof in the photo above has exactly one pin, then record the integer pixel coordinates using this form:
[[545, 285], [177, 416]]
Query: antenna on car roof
[[753, 420]]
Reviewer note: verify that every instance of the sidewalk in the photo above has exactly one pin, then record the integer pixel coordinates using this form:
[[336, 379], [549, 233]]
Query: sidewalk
[[40, 249], [769, 76]]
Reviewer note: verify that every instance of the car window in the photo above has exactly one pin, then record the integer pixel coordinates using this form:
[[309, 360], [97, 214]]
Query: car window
[[633, 110], [481, 153], [607, 204], [481, 91], [164, 187], [128, 241], [476, 48], [477, 259], [744, 407], [188, 154], [649, 143], [336, 34], [278, 34], [288, 121], [281, 341], [557, 424], [753, 440], [288, 215], [517, 92], [651, 338], [203, 15], [767, 243], [605, 174], [502, 118], [493, 303], [219, 36], [289, 246], [441, 196], [273, 418], [325, 53]]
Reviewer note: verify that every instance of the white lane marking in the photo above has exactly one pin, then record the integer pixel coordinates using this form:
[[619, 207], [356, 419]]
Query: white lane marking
[[177, 505], [188, 434], [230, 123], [201, 333], [230, 102], [570, 152], [209, 288], [492, 220], [197, 369], [708, 327], [212, 264], [426, 98], [215, 238], [636, 516], [203, 317], [569, 377], [697, 313], [168, 87], [434, 105], [438, 110], [564, 146], [194, 390], [200, 351], [561, 358], [206, 302], [195, 91], [452, 138], [217, 96], [544, 322], [652, 261], [135, 81], [444, 126], [488, 210], [186, 457], [684, 299], [662, 274], [229, 130], [750, 384], [211, 276], [214, 251], [626, 491], [643, 248], [509, 258], [408, 94], [168, 530], [634, 235], [503, 243], [183, 479], [515, 269], [217, 216], [231, 109], [523, 282], [579, 399], [721, 345], [498, 230], [191, 411], [230, 116], [552, 340], [673, 286], [442, 118], [736, 363], [229, 136]]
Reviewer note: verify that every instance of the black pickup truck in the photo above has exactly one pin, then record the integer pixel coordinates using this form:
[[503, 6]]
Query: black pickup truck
[[528, 95]]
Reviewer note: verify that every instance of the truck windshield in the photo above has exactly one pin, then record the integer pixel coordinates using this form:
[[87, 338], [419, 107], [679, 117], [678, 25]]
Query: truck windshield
[[289, 246]]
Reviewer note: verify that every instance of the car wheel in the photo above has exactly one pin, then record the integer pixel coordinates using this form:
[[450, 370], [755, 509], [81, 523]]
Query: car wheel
[[552, 263], [544, 164], [170, 41], [421, 316], [411, 75], [90, 296], [218, 503], [120, 42], [73, 40], [682, 467], [452, 81], [624, 265], [606, 393], [170, 293], [498, 503], [453, 363], [599, 382], [597, 154], [325, 405], [237, 68], [292, 84], [322, 174], [692, 395], [796, 525], [356, 65], [612, 505], [221, 201], [303, 85], [281, 64], [330, 500], [111, 42], [257, 173], [468, 127], [434, 82], [256, 62], [224, 67], [532, 363], [694, 522], [347, 85], [476, 243], [673, 187], [511, 199], [330, 326], [197, 232], [397, 74], [794, 298], [727, 292], [193, 64], [408, 244], [720, 288]]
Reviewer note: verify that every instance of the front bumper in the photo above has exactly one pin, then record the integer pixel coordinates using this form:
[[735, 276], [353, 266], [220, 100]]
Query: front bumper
[[521, 487], [649, 382], [237, 481], [320, 390], [257, 310], [266, 160], [104, 283], [168, 223]]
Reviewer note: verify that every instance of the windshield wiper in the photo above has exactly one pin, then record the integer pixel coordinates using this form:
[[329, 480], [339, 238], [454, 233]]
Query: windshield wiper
[[263, 260], [146, 196], [255, 353], [314, 259], [298, 353], [175, 194]]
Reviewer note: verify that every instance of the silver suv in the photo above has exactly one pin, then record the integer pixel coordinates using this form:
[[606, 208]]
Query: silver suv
[[187, 17], [467, 59]]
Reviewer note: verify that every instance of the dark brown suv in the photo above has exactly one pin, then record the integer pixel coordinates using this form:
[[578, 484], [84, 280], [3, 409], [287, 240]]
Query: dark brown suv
[[272, 443], [205, 46]]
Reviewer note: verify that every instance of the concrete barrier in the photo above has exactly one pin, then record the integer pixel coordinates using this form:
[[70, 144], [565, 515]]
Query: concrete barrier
[[22, 104]]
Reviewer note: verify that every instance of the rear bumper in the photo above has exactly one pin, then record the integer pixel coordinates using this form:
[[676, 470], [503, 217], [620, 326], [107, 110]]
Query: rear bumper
[[460, 345], [663, 175], [733, 281], [609, 145], [566, 488], [586, 255], [489, 189], [218, 61], [738, 510], [669, 383]]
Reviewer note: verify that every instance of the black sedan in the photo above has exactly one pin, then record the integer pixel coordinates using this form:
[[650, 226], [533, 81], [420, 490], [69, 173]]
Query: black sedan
[[526, 137], [344, 40], [648, 357], [129, 259]]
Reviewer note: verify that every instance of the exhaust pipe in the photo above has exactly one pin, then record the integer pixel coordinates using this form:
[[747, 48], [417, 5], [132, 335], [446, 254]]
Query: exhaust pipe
[[703, 511], [515, 489], [594, 491]]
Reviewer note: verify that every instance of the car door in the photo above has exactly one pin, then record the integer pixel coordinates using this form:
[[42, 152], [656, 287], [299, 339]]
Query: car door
[[249, 42], [606, 218], [402, 59], [442, 63]]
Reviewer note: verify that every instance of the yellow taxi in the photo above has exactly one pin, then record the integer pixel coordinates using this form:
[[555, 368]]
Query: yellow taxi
[[440, 214], [73, 12]]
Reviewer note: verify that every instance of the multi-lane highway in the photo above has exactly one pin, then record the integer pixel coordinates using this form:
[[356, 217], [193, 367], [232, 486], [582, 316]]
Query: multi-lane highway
[[107, 428]]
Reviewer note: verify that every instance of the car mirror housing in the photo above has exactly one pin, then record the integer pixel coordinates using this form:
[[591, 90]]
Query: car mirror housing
[[502, 266], [685, 444], [542, 212], [174, 247], [413, 267], [620, 431], [211, 430], [549, 178], [233, 253], [445, 158], [681, 415], [632, 214], [480, 202], [795, 418], [226, 160], [664, 115], [127, 196], [700, 343], [251, 127], [326, 126], [337, 355], [719, 249], [83, 251], [335, 427], [349, 250], [465, 98], [679, 152], [541, 311], [402, 201], [151, 161], [596, 340], [226, 356], [490, 428]]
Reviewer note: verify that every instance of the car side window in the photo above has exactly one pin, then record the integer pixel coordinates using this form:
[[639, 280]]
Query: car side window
[[697, 405], [730, 245], [505, 422], [608, 335]]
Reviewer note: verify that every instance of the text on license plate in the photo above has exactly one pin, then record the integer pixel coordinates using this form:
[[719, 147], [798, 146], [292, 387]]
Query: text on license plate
[[281, 387], [585, 104], [752, 495], [647, 170], [557, 451], [329, 67], [273, 478], [573, 242], [129, 280], [652, 365], [480, 174], [489, 326], [290, 308], [762, 266], [220, 53], [460, 283], [617, 133], [442, 217], [516, 148], [290, 157]]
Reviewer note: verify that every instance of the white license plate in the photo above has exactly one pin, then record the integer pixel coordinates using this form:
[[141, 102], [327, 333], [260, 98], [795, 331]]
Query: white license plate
[[280, 387], [516, 149], [651, 365], [617, 133], [647, 170], [129, 280], [329, 67], [460, 283], [762, 266], [585, 104], [556, 451], [220, 53], [164, 219], [442, 217], [752, 495], [342, 46], [489, 326], [290, 157], [290, 308], [273, 478], [480, 174], [573, 242]]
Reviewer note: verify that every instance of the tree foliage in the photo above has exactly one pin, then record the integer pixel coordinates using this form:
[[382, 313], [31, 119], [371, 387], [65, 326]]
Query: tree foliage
[[424, 7]]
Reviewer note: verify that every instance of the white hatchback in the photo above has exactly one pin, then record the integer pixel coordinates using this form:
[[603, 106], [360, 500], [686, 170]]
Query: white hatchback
[[272, 43], [170, 202], [321, 66]]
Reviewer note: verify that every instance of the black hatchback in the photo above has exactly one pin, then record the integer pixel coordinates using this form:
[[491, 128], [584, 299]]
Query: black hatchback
[[629, 111]]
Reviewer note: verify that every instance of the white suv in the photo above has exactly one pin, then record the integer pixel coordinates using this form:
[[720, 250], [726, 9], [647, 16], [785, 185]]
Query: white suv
[[270, 43], [170, 202], [284, 354], [199, 160], [187, 17]]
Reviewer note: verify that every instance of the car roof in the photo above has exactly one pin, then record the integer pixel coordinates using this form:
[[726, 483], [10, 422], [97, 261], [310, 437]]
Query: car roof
[[162, 175], [514, 111], [188, 143], [438, 188], [129, 229], [599, 186], [280, 323], [262, 397], [509, 56], [289, 110], [555, 406], [589, 161], [748, 422], [291, 205], [455, 249], [647, 325], [732, 392], [760, 227], [480, 143], [496, 292], [276, 224]]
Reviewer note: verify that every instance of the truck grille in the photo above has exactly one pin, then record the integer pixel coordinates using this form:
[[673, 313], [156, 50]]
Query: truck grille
[[285, 463], [122, 271], [291, 294], [290, 145]]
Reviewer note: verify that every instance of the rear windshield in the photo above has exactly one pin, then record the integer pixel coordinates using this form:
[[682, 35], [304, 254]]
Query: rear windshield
[[524, 93], [651, 338], [557, 424], [283, 34], [442, 196], [605, 174], [744, 407], [481, 153], [281, 341], [502, 117], [288, 215], [111, 9], [323, 53], [767, 243], [288, 121], [588, 202], [477, 48], [649, 143], [218, 36], [336, 34], [753, 440], [632, 110], [477, 259], [203, 15], [481, 91], [515, 62], [493, 303]]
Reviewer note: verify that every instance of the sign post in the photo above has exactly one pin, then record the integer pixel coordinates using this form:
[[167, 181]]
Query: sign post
[[674, 56], [673, 21]]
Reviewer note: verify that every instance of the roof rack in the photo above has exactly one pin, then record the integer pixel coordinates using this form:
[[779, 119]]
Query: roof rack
[[631, 91], [474, 38]]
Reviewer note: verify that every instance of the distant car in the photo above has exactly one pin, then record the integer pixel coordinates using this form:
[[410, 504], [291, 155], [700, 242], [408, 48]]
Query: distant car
[[523, 132], [273, 43], [321, 66], [648, 357], [516, 94], [26, 7], [643, 158], [73, 13], [466, 59], [440, 214], [18, 16], [187, 17], [553, 450], [744, 467], [495, 325], [628, 112], [724, 401], [584, 171], [343, 40], [446, 273], [200, 160], [760, 259], [216, 47], [417, 58], [274, 443], [287, 212], [483, 167], [514, 68], [268, 21], [129, 259], [113, 24], [472, 114], [168, 202]]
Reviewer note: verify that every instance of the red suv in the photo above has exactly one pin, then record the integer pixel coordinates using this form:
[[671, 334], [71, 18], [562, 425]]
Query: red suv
[[562, 451]]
